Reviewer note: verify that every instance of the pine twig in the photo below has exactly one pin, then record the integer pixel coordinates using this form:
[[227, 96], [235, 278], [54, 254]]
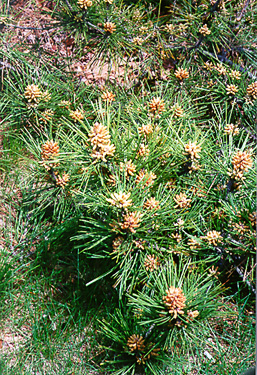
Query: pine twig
[[214, 8], [247, 2], [222, 58], [240, 273], [6, 65], [149, 330], [198, 43], [53, 175], [28, 28], [68, 4]]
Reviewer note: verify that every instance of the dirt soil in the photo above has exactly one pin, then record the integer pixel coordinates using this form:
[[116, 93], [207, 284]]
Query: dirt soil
[[30, 27]]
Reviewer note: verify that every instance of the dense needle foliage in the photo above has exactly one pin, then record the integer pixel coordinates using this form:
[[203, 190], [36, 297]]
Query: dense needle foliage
[[147, 180]]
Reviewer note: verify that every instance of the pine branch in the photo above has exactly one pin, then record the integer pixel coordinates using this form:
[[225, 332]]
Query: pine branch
[[214, 8], [68, 4], [95, 27], [240, 273], [237, 269], [247, 2], [6, 65], [222, 58], [149, 330], [53, 174], [28, 28], [198, 43]]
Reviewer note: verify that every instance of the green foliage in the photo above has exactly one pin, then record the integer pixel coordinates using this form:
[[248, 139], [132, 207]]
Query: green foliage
[[144, 183], [130, 351], [199, 292], [173, 327]]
